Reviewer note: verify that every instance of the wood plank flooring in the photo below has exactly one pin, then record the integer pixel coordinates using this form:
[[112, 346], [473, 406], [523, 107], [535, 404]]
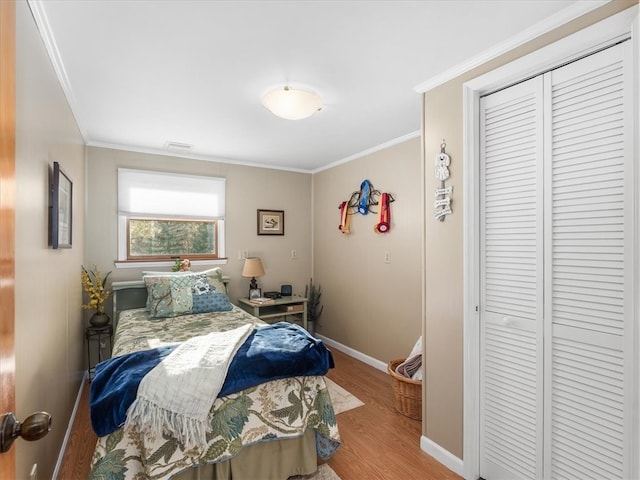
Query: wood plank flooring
[[76, 463], [377, 442]]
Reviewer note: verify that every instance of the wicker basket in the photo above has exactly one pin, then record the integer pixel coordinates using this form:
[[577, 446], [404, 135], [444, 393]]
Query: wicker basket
[[407, 392]]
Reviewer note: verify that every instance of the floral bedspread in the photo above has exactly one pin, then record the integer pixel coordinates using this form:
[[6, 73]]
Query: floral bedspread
[[283, 408]]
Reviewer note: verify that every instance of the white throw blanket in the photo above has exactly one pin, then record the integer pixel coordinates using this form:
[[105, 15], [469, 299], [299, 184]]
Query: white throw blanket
[[176, 395], [412, 366]]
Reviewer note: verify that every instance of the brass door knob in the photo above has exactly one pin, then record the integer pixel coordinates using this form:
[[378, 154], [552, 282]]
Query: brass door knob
[[34, 427]]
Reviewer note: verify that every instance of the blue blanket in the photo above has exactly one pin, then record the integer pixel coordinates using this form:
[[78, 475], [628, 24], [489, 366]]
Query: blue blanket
[[271, 352]]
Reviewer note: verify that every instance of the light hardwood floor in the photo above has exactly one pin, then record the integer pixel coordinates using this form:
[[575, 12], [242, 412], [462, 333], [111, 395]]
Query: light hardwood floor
[[377, 442]]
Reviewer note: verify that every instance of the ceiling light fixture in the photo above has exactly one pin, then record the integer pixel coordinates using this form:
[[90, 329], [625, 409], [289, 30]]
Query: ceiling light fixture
[[292, 103]]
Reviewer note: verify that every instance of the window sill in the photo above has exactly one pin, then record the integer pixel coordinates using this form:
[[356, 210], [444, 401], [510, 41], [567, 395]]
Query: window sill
[[168, 263]]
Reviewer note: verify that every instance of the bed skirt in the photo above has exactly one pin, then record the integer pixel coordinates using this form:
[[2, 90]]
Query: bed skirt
[[296, 456]]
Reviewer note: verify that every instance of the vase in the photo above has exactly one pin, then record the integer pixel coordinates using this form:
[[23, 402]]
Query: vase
[[99, 319]]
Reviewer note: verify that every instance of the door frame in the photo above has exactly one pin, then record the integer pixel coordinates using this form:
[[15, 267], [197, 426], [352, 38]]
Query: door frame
[[604, 33], [7, 222]]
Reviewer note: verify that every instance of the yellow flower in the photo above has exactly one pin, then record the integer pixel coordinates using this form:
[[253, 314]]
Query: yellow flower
[[94, 285]]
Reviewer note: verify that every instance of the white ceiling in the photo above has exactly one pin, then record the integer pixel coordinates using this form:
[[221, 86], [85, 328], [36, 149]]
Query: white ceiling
[[139, 74]]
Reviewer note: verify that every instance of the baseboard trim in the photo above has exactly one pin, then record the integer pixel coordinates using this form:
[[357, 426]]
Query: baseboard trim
[[428, 446], [67, 434], [373, 362], [443, 456]]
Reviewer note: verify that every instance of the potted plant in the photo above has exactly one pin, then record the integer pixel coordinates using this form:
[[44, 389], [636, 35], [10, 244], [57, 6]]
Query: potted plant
[[314, 309], [94, 285]]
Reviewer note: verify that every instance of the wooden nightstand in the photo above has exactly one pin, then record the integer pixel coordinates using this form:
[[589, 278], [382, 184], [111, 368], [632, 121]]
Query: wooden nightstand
[[281, 307]]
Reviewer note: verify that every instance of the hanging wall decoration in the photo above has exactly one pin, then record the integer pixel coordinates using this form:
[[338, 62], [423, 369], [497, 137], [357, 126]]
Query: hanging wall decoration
[[344, 218], [442, 195], [61, 195], [361, 202], [384, 215]]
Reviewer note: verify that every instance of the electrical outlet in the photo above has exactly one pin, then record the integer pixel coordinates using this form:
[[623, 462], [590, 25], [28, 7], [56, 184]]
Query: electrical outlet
[[387, 257], [294, 254], [243, 254], [34, 472]]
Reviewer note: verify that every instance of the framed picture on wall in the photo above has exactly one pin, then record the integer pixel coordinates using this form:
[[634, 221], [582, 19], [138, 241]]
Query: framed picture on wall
[[61, 209], [270, 222]]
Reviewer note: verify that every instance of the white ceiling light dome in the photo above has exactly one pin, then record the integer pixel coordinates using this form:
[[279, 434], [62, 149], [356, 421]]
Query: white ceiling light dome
[[292, 103]]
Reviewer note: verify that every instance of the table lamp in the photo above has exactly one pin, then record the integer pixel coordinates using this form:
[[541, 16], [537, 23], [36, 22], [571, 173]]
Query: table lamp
[[253, 268]]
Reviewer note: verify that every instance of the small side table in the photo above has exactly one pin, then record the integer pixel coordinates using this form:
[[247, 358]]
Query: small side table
[[97, 335], [280, 307]]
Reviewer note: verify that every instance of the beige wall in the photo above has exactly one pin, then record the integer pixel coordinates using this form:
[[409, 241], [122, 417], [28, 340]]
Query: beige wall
[[443, 119], [248, 189], [369, 305], [48, 323]]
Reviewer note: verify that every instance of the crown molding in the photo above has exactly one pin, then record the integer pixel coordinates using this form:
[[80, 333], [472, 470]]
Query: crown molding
[[42, 23], [564, 16], [192, 156], [369, 151], [151, 151]]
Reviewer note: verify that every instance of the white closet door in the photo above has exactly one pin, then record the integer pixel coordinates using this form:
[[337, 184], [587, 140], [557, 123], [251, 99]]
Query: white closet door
[[557, 313], [588, 307], [511, 277]]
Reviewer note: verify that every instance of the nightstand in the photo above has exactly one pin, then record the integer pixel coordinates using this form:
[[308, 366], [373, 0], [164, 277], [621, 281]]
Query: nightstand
[[97, 336], [281, 307]]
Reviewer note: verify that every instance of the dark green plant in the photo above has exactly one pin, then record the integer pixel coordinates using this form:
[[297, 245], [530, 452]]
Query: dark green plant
[[313, 294], [176, 266]]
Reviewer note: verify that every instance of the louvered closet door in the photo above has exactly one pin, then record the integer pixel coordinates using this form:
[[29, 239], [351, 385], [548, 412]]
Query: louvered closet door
[[511, 278], [589, 302], [557, 241]]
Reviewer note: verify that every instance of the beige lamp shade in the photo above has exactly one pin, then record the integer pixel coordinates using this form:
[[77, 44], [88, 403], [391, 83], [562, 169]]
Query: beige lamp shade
[[292, 103], [253, 268]]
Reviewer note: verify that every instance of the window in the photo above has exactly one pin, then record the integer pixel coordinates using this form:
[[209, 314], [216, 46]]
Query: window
[[166, 215], [153, 238]]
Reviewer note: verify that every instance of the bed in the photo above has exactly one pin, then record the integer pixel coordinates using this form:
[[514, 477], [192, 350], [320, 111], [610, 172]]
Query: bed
[[269, 431]]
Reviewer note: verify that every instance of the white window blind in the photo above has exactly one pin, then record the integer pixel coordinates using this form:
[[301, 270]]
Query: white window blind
[[166, 195]]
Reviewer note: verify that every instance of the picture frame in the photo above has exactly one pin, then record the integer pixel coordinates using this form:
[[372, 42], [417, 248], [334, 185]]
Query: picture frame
[[255, 293], [270, 222], [61, 209]]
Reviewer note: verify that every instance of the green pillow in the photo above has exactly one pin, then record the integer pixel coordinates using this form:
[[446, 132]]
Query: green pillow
[[170, 294]]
